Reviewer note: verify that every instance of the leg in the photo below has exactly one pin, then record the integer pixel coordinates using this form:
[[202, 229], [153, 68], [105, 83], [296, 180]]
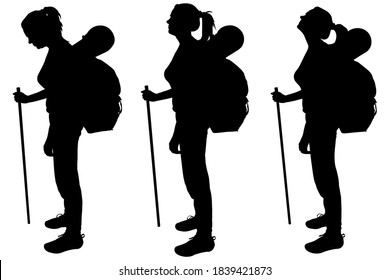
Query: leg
[[65, 146], [322, 145], [67, 180], [193, 149]]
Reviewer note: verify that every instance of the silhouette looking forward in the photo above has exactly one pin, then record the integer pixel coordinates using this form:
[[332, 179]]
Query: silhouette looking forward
[[187, 77], [323, 80], [65, 77]]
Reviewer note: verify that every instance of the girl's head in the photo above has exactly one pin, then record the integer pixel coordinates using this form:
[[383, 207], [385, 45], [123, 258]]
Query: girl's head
[[316, 23], [42, 26], [185, 18]]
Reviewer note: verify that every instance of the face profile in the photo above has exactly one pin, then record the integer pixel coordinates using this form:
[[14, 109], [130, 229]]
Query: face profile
[[35, 35], [37, 39], [316, 23], [183, 19]]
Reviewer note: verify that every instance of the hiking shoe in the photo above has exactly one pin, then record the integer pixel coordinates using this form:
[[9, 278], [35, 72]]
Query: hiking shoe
[[58, 222], [65, 242], [197, 244], [187, 225], [317, 223], [326, 242]]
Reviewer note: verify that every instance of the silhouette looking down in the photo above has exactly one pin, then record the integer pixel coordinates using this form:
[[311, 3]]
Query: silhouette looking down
[[324, 81], [68, 78]]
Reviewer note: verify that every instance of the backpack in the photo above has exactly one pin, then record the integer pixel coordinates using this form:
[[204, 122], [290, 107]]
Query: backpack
[[100, 101], [228, 103], [357, 105]]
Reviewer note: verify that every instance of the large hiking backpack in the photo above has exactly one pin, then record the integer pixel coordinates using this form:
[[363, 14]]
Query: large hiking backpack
[[357, 104], [228, 104], [100, 87]]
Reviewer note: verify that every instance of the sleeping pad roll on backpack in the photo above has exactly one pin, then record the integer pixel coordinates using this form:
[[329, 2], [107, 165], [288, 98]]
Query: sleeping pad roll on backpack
[[100, 87], [228, 87]]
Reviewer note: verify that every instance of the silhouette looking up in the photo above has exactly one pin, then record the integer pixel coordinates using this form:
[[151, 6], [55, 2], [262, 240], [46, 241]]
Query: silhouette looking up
[[60, 79], [317, 77], [187, 77]]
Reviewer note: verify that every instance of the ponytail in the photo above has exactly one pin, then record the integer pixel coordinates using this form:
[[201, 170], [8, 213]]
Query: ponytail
[[191, 16], [52, 18], [207, 25], [46, 20]]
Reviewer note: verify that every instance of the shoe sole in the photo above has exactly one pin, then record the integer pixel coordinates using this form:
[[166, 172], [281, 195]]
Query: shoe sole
[[66, 249], [336, 246], [322, 251], [194, 253], [314, 227], [184, 229], [54, 227]]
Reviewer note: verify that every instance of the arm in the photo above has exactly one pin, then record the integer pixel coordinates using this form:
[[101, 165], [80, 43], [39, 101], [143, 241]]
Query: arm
[[23, 98], [279, 97], [151, 96]]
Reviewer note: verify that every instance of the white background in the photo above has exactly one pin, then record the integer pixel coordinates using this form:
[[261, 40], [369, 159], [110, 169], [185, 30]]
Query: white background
[[250, 221]]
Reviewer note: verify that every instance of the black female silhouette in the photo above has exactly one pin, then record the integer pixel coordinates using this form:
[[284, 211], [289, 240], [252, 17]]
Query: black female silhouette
[[60, 80], [317, 77], [187, 76]]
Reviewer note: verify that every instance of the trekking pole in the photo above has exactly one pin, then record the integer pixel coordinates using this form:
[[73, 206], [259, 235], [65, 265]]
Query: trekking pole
[[23, 157], [153, 162], [283, 160]]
